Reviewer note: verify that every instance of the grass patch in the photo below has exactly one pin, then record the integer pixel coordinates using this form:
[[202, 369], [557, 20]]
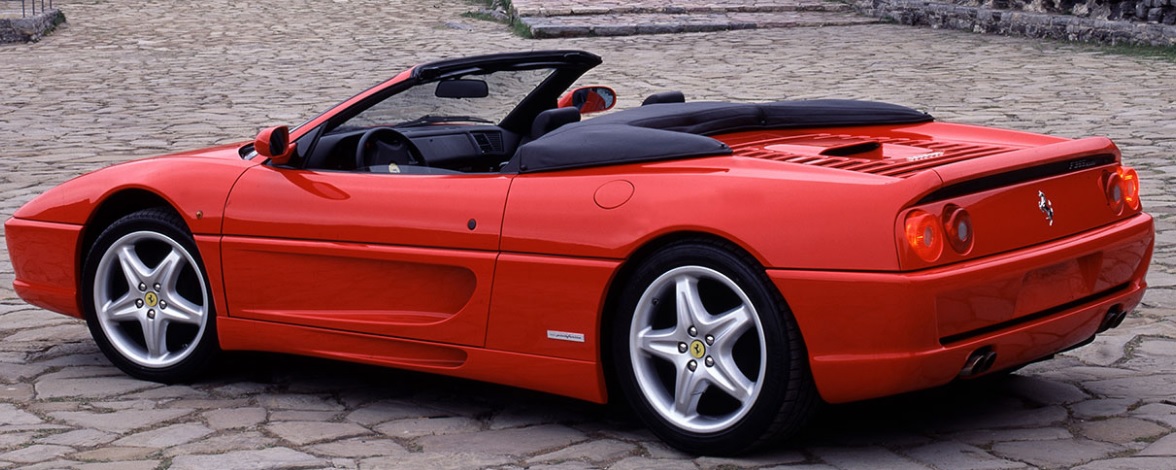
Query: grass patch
[[479, 15], [516, 24], [521, 30], [486, 10], [1150, 52]]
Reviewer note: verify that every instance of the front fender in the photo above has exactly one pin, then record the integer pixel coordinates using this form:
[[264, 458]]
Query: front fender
[[47, 236], [194, 185]]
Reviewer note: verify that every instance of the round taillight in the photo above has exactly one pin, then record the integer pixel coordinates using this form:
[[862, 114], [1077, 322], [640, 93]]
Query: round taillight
[[924, 234], [1113, 185], [1129, 183], [957, 227]]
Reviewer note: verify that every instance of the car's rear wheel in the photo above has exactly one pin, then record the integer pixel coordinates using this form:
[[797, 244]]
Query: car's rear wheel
[[708, 354], [147, 301]]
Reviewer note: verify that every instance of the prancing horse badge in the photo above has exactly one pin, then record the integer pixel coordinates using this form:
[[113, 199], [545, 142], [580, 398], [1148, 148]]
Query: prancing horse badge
[[1045, 207]]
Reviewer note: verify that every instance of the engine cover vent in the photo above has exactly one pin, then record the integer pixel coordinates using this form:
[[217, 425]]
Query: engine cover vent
[[896, 157]]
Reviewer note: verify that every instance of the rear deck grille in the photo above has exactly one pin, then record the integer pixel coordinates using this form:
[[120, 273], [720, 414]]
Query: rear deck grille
[[947, 152]]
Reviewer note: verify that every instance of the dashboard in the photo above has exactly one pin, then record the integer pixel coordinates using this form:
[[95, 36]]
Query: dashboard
[[461, 148]]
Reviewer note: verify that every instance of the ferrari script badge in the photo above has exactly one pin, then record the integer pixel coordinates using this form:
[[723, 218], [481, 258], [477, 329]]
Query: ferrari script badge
[[1045, 207]]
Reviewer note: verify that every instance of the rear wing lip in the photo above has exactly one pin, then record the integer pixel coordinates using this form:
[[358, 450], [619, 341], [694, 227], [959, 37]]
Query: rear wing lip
[[1054, 159]]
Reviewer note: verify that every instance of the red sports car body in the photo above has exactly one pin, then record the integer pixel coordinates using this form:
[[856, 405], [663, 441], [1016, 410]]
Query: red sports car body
[[723, 265]]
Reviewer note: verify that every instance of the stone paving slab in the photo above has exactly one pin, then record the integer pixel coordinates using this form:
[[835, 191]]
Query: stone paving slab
[[632, 24], [168, 75], [616, 7], [568, 18]]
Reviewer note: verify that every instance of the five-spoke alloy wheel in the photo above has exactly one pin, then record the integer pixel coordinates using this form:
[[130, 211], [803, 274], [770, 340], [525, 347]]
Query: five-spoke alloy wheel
[[147, 299], [707, 353]]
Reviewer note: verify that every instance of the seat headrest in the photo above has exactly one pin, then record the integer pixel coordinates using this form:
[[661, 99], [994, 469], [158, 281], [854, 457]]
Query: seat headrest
[[552, 119], [665, 97]]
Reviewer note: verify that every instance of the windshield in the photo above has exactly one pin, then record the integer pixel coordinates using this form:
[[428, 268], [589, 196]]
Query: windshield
[[442, 102]]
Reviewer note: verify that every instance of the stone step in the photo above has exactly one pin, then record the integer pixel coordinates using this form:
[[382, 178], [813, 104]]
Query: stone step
[[629, 24], [532, 8]]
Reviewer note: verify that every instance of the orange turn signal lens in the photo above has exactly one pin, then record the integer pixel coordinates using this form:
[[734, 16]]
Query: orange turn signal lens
[[1129, 184], [924, 234], [957, 225]]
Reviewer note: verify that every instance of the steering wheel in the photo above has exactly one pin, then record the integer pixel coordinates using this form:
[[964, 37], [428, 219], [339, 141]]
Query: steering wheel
[[385, 145]]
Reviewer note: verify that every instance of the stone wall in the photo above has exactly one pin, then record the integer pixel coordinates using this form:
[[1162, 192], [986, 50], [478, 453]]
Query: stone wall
[[1092, 21], [1144, 11], [30, 29]]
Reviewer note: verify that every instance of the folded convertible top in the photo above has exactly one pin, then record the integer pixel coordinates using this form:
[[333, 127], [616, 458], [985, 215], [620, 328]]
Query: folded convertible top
[[678, 130]]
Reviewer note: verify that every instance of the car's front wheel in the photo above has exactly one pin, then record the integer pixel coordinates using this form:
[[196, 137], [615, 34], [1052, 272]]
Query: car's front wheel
[[708, 354], [147, 300]]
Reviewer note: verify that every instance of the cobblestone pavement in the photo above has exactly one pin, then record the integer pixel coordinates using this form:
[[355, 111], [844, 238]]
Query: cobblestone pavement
[[123, 82]]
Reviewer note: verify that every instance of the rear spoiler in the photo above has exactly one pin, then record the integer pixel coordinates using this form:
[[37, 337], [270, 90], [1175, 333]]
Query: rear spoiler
[[980, 174]]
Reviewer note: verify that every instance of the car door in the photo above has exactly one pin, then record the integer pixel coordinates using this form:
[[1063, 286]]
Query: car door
[[409, 256]]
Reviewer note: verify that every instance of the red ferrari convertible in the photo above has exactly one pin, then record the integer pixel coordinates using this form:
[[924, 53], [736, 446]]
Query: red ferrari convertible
[[723, 267]]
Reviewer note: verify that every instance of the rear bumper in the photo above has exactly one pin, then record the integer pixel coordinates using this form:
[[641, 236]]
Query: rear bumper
[[876, 334]]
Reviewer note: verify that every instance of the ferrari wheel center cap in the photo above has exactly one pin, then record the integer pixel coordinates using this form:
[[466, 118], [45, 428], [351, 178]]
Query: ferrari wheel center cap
[[697, 349], [151, 299]]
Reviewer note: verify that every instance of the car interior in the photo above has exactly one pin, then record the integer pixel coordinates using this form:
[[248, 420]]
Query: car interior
[[444, 147], [454, 116], [466, 148], [443, 143]]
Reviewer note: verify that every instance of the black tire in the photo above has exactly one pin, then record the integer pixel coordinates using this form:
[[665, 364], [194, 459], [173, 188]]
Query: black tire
[[147, 299], [753, 345]]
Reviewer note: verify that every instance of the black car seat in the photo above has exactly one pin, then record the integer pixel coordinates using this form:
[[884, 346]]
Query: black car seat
[[548, 121], [551, 120]]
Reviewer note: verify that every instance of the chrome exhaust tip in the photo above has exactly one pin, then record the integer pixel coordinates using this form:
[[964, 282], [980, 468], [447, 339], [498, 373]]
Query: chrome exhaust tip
[[1113, 319], [979, 362], [989, 361]]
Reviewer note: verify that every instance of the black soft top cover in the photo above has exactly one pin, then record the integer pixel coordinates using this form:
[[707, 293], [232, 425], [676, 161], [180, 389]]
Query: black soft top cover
[[678, 130]]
